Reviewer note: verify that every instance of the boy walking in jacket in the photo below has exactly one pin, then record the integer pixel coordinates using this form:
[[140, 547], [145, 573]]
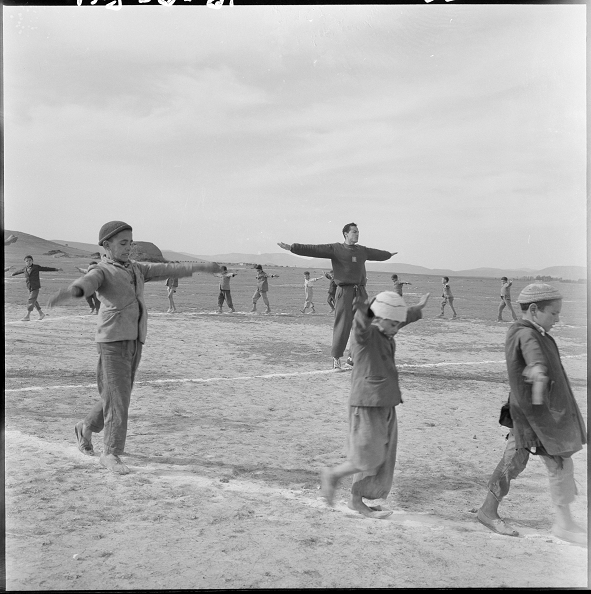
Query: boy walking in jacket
[[544, 412], [375, 393], [31, 272], [348, 262], [506, 299], [447, 297], [225, 295], [309, 292], [262, 288], [121, 332]]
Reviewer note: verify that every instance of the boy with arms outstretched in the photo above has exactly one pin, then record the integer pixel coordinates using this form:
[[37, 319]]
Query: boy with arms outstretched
[[31, 272], [121, 332], [375, 393]]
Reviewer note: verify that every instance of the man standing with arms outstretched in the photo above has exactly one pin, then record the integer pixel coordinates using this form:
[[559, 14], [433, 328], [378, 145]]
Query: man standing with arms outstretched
[[348, 263]]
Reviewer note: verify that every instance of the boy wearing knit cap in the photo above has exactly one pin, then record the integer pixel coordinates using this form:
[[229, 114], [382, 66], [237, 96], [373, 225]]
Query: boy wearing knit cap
[[544, 412], [121, 332], [375, 393]]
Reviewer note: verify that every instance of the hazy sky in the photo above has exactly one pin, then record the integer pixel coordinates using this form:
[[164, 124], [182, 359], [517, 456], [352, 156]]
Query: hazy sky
[[453, 134]]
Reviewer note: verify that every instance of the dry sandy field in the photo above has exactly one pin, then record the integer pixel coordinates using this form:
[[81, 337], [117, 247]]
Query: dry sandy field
[[233, 415]]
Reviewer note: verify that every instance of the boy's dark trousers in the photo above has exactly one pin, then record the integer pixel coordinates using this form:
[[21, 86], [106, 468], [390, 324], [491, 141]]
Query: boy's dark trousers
[[225, 294], [343, 320], [117, 364]]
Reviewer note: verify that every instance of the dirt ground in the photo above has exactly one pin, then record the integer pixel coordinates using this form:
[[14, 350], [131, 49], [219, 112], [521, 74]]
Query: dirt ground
[[232, 417]]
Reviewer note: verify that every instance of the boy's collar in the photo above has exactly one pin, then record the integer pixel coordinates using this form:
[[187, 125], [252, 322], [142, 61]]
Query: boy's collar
[[536, 326]]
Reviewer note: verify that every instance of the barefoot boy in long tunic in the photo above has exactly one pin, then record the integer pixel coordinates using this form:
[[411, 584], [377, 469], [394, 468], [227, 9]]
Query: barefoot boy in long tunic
[[375, 393], [121, 331]]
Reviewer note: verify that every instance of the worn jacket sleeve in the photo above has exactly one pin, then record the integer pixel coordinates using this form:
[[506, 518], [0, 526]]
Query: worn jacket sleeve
[[161, 272], [530, 348], [21, 271], [362, 323], [379, 255], [90, 282], [325, 250], [48, 269]]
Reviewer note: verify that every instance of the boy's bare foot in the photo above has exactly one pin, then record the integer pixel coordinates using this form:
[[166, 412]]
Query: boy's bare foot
[[328, 485], [357, 504], [113, 463], [497, 524], [372, 507], [26, 319], [83, 439]]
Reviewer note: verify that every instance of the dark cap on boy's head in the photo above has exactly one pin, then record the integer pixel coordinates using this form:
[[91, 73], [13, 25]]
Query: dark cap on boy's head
[[111, 228], [26, 257], [504, 278], [258, 267]]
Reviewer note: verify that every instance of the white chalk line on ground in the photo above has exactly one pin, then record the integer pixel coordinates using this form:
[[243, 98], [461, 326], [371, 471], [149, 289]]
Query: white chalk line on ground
[[200, 380], [174, 474]]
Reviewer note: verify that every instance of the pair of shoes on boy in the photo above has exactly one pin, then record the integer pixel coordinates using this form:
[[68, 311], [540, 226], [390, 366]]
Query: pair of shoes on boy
[[336, 364], [27, 318]]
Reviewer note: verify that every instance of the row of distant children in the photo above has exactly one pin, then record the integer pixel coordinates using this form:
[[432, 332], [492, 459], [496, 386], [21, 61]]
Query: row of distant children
[[31, 272]]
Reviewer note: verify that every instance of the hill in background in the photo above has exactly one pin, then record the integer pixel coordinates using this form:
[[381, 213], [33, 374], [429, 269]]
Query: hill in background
[[46, 251]]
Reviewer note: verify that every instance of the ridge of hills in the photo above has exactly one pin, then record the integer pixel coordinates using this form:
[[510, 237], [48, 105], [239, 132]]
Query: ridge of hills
[[39, 248]]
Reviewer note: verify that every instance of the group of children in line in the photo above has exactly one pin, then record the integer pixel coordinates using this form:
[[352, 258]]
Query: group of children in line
[[543, 410]]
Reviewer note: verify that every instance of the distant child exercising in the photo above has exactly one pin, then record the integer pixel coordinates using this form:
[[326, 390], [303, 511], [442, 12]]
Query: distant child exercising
[[309, 292], [172, 284], [31, 272], [544, 414], [122, 326], [92, 300], [506, 299], [398, 284], [447, 297], [262, 288], [375, 393], [225, 294], [332, 290]]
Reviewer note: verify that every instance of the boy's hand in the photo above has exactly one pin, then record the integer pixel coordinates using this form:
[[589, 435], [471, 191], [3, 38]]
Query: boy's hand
[[285, 246], [360, 303], [423, 301]]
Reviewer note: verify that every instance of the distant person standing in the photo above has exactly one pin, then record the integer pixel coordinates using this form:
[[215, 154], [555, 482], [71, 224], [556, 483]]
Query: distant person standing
[[225, 294], [506, 299], [332, 289], [262, 288], [398, 284], [31, 272], [447, 297], [309, 292], [348, 262], [92, 300], [172, 284]]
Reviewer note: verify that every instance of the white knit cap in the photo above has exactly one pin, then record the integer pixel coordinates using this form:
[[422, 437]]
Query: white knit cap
[[538, 292], [389, 305]]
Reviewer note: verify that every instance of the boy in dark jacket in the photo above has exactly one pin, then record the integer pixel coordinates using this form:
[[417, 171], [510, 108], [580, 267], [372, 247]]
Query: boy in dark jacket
[[31, 272], [544, 411], [375, 393]]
